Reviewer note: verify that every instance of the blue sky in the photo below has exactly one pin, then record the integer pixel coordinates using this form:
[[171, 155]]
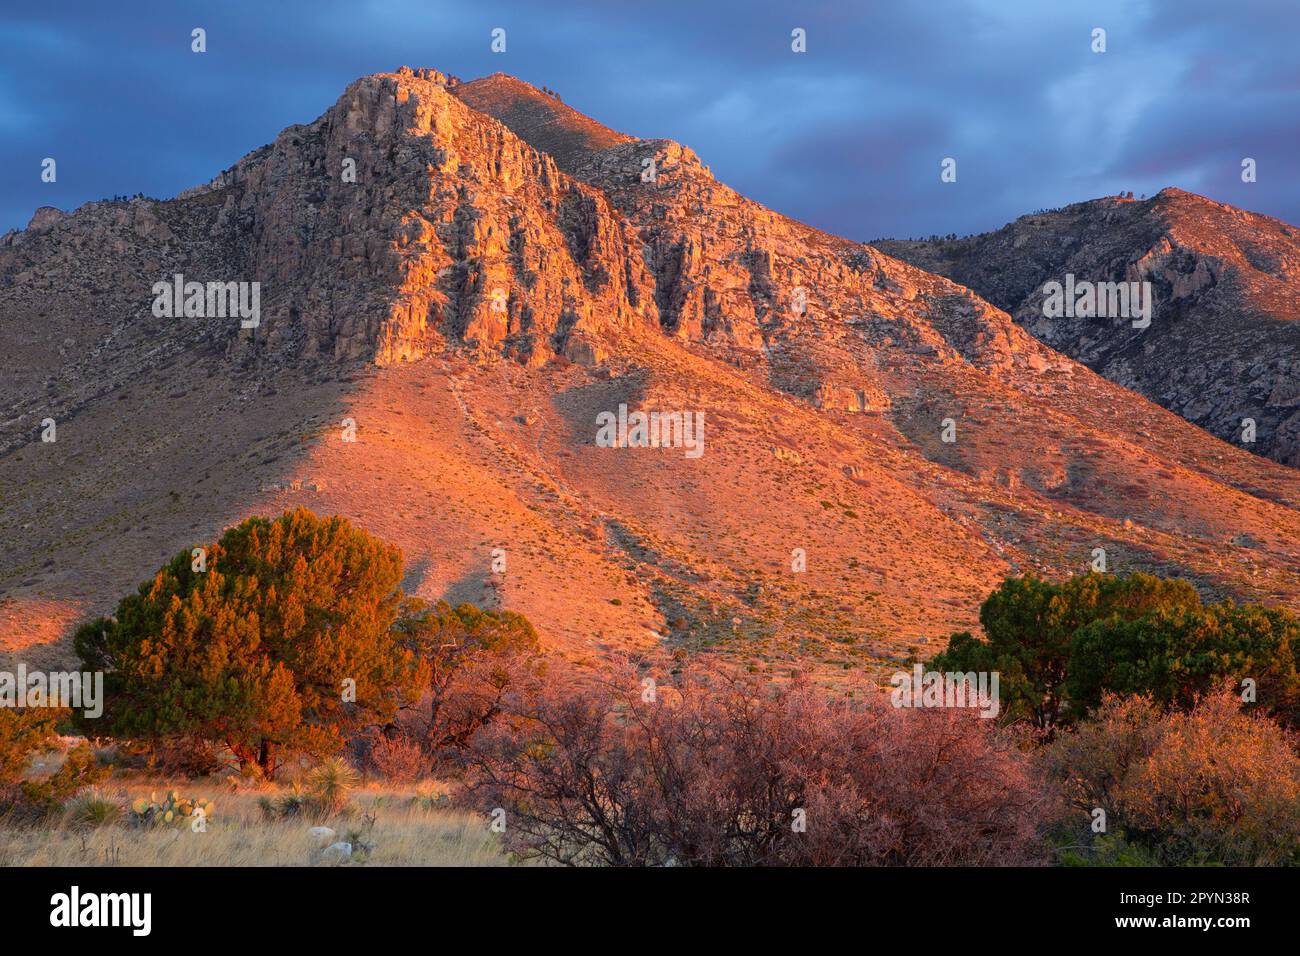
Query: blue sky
[[848, 136]]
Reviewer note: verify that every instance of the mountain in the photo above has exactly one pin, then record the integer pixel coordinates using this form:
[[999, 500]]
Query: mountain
[[1224, 341], [499, 276]]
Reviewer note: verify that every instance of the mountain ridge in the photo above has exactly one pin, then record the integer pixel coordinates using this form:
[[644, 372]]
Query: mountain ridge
[[1224, 345], [825, 369]]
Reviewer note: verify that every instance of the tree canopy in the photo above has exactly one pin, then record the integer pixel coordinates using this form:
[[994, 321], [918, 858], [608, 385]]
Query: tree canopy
[[279, 639], [1060, 646]]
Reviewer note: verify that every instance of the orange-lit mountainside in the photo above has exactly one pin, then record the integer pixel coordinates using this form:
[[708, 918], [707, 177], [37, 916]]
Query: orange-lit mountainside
[[502, 271]]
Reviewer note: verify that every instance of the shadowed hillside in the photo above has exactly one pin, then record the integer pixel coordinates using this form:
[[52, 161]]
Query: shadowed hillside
[[1224, 342]]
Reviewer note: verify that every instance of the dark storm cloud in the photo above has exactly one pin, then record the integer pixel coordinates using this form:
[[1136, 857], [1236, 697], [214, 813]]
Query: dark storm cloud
[[848, 137]]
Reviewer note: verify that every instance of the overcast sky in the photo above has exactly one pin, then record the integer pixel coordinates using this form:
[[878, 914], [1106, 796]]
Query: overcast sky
[[848, 136]]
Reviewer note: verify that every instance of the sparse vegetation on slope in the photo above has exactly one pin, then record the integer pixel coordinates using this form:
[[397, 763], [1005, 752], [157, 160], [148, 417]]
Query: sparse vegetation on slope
[[677, 760]]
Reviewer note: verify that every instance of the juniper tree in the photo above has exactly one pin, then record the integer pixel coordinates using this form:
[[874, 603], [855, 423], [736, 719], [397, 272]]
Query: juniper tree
[[1059, 647], [281, 639]]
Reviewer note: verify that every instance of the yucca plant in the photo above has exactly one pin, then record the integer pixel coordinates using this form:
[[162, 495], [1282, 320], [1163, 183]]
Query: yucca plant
[[330, 785], [90, 810], [294, 803]]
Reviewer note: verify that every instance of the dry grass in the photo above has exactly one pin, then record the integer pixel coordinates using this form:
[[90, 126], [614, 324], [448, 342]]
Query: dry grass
[[406, 832]]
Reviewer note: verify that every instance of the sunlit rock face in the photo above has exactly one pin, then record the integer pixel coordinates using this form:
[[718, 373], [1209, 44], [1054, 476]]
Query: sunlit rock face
[[419, 212]]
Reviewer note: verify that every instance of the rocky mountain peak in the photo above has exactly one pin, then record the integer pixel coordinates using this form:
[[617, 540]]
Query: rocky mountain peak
[[897, 427], [420, 211]]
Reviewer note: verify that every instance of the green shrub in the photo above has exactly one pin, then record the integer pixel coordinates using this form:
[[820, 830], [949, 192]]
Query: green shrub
[[1175, 656], [1106, 850], [327, 793], [287, 806]]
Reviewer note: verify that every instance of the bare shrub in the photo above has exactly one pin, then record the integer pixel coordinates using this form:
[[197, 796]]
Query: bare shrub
[[399, 758], [471, 660], [727, 771], [476, 694]]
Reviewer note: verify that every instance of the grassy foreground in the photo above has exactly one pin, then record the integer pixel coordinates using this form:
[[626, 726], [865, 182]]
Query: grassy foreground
[[407, 831]]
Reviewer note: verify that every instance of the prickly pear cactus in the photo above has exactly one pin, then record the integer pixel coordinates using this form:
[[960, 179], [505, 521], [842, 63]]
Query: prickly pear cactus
[[172, 810]]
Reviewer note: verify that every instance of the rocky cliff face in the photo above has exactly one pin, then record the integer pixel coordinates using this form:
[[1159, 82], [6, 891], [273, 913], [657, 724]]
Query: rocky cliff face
[[470, 274], [454, 228], [403, 218], [1224, 341], [804, 308]]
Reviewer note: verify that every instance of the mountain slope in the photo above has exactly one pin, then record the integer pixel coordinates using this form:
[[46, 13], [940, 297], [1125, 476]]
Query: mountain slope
[[466, 309], [540, 119], [1224, 341]]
